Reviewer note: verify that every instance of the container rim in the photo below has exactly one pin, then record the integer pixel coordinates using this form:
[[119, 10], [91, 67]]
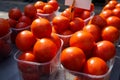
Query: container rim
[[20, 28], [92, 14]]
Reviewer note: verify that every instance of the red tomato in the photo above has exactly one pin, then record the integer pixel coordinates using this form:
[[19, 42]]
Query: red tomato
[[14, 13], [116, 12], [110, 33], [105, 50], [53, 3], [94, 30], [83, 40], [113, 21], [27, 56], [66, 13], [21, 25], [44, 50], [60, 23], [25, 19], [39, 4], [95, 66], [41, 28], [4, 27], [76, 24], [25, 40], [85, 14], [48, 9], [12, 22], [72, 58], [30, 10]]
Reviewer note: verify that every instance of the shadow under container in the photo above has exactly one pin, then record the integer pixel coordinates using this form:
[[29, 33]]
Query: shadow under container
[[6, 46], [15, 31], [38, 71], [73, 75]]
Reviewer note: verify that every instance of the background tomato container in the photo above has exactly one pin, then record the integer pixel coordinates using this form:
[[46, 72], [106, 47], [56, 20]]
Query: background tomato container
[[48, 16], [5, 46], [73, 75], [38, 71], [15, 31]]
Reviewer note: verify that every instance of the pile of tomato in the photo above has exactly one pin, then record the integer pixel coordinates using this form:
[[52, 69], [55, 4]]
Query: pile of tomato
[[89, 47]]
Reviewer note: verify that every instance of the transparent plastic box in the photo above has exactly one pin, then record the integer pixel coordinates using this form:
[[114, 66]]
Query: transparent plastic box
[[15, 31], [73, 75], [5, 46], [38, 71]]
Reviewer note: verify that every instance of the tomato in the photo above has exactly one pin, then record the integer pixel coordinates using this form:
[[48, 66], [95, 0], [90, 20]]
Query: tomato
[[25, 40], [116, 12], [4, 27], [99, 21], [54, 3], [41, 28], [76, 24], [54, 37], [39, 4], [85, 14], [113, 21], [95, 66], [30, 10], [48, 9], [27, 56], [109, 7], [12, 22], [44, 50], [106, 13], [15, 13], [117, 5], [25, 19], [113, 2], [66, 13], [94, 30], [72, 58], [105, 50], [21, 25], [60, 23], [83, 40], [110, 33]]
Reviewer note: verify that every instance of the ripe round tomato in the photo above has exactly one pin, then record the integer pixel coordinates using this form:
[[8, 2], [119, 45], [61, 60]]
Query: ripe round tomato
[[95, 66], [113, 2], [25, 19], [21, 25], [94, 30], [110, 33], [30, 10], [41, 28], [25, 40], [39, 4], [85, 14], [105, 50], [109, 7], [60, 23], [83, 40], [4, 27], [66, 13], [116, 12], [99, 21], [106, 13], [27, 56], [15, 13], [117, 5], [76, 24], [113, 21], [53, 3], [12, 22], [72, 58], [48, 9], [44, 50]]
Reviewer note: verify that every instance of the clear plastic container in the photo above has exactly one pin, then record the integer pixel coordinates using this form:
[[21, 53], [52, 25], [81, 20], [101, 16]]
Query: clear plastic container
[[48, 16], [5, 46], [15, 31], [88, 19], [73, 75], [65, 39], [38, 71]]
